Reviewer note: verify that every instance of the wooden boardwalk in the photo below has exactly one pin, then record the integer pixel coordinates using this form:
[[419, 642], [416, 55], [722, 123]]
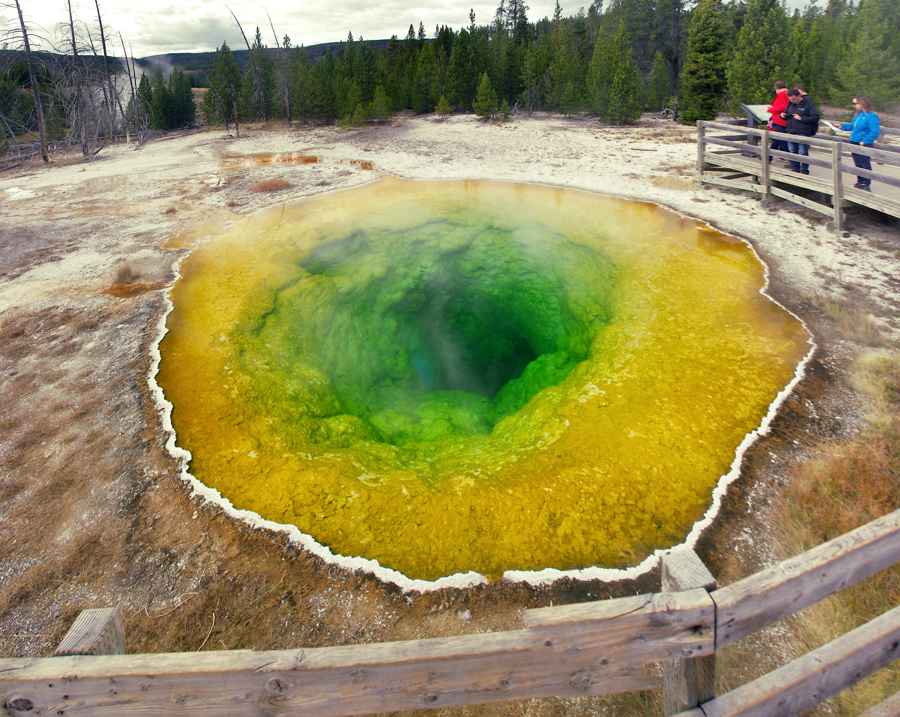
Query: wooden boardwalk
[[736, 157], [575, 650]]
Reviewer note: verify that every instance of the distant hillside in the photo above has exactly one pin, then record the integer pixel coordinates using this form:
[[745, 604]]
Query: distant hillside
[[196, 64]]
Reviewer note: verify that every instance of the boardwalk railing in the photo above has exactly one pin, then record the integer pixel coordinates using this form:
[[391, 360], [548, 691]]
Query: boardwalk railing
[[575, 650], [742, 158]]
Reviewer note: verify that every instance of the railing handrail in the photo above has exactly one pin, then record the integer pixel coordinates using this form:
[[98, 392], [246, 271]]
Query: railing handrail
[[582, 649]]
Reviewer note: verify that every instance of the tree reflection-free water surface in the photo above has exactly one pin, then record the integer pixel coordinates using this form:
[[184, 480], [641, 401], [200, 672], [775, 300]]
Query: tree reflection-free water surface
[[464, 376]]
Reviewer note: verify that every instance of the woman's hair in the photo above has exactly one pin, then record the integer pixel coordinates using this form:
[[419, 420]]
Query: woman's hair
[[780, 84], [865, 102]]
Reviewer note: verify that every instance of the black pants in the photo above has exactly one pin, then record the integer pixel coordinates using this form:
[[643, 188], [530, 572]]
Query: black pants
[[863, 161], [779, 145]]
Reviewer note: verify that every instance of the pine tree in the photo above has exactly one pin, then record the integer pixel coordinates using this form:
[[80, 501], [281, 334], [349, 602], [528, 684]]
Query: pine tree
[[145, 97], [762, 54], [625, 89], [443, 106], [600, 74], [161, 105], [485, 104], [422, 100], [359, 116], [459, 87], [258, 91], [381, 104], [703, 83], [659, 88], [224, 88], [872, 67]]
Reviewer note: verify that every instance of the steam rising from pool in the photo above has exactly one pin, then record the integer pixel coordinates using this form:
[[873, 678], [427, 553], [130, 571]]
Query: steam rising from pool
[[460, 377]]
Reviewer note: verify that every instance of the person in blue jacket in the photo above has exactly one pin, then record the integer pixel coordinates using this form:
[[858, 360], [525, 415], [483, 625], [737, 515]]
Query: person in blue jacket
[[864, 129]]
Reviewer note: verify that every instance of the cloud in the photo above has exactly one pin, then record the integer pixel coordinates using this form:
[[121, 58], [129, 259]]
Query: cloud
[[156, 27]]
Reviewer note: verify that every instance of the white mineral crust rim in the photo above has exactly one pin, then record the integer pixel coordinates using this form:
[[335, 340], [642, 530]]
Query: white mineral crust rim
[[471, 578]]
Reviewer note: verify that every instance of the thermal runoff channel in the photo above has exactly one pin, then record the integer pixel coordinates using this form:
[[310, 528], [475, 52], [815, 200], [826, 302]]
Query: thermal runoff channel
[[452, 377]]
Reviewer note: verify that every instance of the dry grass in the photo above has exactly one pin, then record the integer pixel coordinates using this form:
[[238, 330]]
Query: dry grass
[[846, 485], [270, 185], [363, 164], [853, 323]]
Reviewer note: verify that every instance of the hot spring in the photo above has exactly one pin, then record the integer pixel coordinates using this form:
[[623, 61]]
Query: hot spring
[[455, 377]]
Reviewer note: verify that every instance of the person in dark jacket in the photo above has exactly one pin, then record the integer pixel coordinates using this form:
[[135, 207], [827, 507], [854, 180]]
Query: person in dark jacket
[[802, 117], [864, 130]]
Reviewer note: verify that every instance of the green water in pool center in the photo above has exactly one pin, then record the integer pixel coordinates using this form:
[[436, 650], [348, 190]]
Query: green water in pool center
[[438, 330], [447, 377]]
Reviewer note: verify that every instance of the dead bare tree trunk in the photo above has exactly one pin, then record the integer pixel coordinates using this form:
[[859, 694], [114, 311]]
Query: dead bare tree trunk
[[113, 94], [130, 79], [79, 99], [237, 127], [283, 73], [38, 105]]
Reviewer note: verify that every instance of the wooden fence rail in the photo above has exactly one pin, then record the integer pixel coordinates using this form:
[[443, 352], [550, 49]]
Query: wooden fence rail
[[574, 650], [744, 161]]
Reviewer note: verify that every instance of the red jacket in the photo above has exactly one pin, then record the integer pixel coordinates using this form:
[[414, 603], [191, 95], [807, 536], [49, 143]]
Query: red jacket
[[779, 105]]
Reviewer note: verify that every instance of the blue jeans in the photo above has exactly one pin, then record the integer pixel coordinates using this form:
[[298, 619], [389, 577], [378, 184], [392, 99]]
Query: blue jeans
[[802, 150], [863, 162]]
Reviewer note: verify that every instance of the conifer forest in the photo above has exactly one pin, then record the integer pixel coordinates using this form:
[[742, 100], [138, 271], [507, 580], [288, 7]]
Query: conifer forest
[[614, 59]]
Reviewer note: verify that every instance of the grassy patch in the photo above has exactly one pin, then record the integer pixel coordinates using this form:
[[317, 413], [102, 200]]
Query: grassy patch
[[847, 484]]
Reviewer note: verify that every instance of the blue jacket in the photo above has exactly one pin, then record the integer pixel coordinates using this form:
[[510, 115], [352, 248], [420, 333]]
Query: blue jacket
[[865, 128]]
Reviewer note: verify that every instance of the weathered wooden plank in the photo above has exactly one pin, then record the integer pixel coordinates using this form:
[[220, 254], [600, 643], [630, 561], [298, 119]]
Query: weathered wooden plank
[[886, 156], [889, 708], [764, 166], [574, 650], [837, 181], [731, 184], [808, 680], [96, 631], [873, 201], [633, 629], [802, 201], [791, 157], [874, 176], [768, 596], [742, 146], [686, 683], [804, 181]]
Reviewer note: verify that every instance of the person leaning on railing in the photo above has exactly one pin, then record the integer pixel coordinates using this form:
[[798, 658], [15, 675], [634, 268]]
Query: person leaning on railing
[[777, 122], [864, 130], [802, 119]]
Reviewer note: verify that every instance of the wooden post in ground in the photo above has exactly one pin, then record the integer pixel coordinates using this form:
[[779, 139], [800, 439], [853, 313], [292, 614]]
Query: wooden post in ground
[[94, 632], [687, 682], [701, 149], [837, 199], [764, 167]]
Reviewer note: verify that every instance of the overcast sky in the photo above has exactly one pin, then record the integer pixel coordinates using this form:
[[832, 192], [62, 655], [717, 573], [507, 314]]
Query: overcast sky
[[159, 26]]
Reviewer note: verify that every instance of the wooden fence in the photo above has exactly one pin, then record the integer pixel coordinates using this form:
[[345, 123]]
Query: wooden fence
[[574, 650], [743, 158]]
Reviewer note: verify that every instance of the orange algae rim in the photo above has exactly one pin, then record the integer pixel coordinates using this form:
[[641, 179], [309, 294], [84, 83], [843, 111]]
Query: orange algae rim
[[544, 576]]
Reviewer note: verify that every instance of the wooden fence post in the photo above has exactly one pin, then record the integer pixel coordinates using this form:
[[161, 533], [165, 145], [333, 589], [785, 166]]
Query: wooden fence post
[[701, 149], [688, 682], [94, 632], [764, 167], [837, 199]]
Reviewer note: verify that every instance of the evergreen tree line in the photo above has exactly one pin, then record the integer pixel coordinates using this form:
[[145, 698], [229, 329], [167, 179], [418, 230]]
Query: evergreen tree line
[[168, 103], [614, 60]]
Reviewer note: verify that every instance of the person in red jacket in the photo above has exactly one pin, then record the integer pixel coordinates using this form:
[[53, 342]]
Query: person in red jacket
[[776, 122]]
